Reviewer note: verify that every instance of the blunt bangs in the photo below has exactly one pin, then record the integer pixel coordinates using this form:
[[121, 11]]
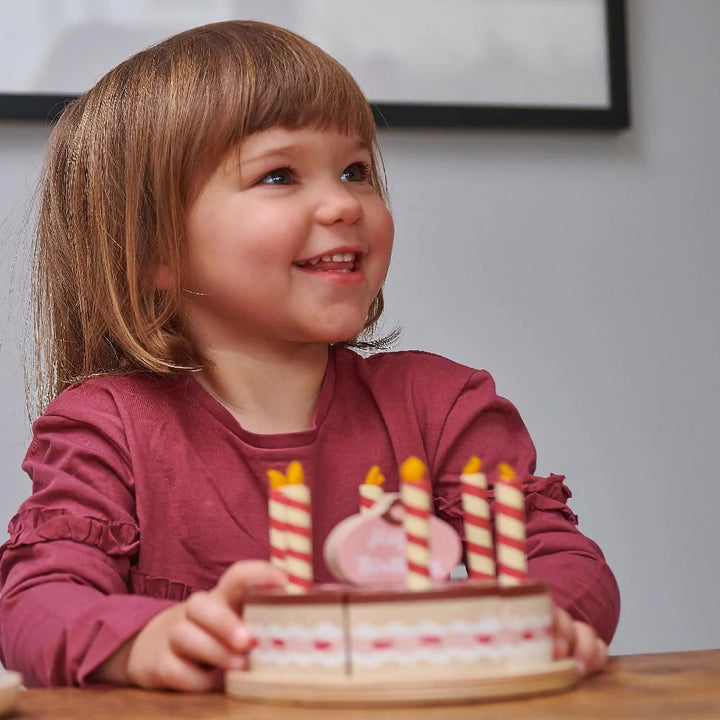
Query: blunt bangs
[[251, 77]]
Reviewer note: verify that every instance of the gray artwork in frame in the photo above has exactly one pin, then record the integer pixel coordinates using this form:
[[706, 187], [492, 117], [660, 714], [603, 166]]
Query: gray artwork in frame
[[422, 63]]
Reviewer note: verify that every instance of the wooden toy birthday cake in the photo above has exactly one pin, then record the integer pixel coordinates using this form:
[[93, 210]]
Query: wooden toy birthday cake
[[394, 629]]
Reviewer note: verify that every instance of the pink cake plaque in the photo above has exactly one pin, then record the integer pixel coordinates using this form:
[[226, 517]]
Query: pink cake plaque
[[369, 548]]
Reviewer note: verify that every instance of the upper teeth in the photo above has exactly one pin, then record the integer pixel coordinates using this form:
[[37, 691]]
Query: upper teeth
[[338, 257]]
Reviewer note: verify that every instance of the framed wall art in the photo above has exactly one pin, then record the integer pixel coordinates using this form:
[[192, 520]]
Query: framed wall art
[[422, 63]]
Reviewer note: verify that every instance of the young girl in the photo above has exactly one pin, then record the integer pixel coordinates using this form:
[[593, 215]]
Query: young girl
[[212, 240]]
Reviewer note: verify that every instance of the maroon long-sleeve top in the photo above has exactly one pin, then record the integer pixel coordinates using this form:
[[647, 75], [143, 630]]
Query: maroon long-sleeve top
[[146, 489]]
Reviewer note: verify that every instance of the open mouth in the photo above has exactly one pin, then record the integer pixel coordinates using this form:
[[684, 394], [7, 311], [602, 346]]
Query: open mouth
[[338, 262]]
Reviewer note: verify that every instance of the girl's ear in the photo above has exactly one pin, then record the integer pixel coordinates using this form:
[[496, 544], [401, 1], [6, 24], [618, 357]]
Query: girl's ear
[[164, 277]]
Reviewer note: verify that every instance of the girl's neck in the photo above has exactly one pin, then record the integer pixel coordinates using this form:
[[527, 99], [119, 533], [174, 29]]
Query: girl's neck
[[268, 393]]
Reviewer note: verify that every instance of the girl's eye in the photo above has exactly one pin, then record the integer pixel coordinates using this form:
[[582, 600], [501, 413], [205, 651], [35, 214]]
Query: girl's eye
[[279, 176], [357, 172]]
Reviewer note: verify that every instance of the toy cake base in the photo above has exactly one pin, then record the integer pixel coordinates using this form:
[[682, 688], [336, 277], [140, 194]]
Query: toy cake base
[[345, 691], [453, 642]]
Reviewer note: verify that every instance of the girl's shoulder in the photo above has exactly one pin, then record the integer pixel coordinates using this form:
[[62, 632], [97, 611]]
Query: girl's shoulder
[[112, 394], [418, 368]]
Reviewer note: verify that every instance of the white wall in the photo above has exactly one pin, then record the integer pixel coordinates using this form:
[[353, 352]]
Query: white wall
[[578, 267], [21, 154]]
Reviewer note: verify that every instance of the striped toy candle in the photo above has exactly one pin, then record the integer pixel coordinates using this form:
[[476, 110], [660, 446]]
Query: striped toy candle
[[298, 531], [277, 513], [476, 516], [416, 498], [510, 528], [371, 490]]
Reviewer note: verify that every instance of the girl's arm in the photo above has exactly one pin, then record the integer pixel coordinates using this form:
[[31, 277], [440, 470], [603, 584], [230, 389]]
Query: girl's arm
[[64, 608], [484, 424], [66, 604], [574, 567], [186, 646]]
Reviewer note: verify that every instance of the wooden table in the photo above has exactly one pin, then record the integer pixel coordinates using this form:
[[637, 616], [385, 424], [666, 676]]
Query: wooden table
[[680, 686]]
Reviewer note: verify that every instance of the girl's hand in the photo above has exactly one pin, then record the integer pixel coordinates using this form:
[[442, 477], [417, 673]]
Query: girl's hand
[[187, 646], [578, 640]]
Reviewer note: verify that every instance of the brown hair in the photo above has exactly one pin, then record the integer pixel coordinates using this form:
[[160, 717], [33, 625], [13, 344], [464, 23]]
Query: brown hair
[[125, 161]]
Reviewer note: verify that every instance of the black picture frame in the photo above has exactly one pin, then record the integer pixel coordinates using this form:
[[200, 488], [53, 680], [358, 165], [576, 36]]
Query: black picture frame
[[615, 116]]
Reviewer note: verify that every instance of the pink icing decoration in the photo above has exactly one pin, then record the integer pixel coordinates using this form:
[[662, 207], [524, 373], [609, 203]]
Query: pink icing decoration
[[370, 548]]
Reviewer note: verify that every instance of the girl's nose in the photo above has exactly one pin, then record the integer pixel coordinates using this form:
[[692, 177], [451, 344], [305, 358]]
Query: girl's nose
[[338, 204]]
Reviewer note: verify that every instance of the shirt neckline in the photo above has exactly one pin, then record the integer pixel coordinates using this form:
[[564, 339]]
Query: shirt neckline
[[198, 394]]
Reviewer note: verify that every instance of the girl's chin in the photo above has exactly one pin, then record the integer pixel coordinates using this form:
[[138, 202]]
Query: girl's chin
[[343, 331]]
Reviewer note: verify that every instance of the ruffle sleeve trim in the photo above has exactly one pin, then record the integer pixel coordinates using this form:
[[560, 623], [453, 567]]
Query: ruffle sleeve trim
[[157, 587], [38, 525], [548, 494], [551, 494]]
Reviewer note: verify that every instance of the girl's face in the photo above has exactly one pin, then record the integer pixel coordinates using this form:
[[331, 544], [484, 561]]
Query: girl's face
[[287, 242]]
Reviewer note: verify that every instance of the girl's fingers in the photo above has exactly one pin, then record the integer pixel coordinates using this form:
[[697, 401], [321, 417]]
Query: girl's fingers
[[563, 635], [190, 641], [248, 573], [152, 662], [206, 635], [217, 614], [208, 611], [578, 640], [590, 651]]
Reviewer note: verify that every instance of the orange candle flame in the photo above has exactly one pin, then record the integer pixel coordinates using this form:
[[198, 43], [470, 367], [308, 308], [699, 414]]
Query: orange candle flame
[[276, 478], [295, 475], [506, 472], [413, 470], [472, 466], [374, 476]]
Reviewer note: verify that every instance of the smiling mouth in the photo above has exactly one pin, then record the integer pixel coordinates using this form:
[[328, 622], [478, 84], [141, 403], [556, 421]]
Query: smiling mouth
[[338, 262]]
